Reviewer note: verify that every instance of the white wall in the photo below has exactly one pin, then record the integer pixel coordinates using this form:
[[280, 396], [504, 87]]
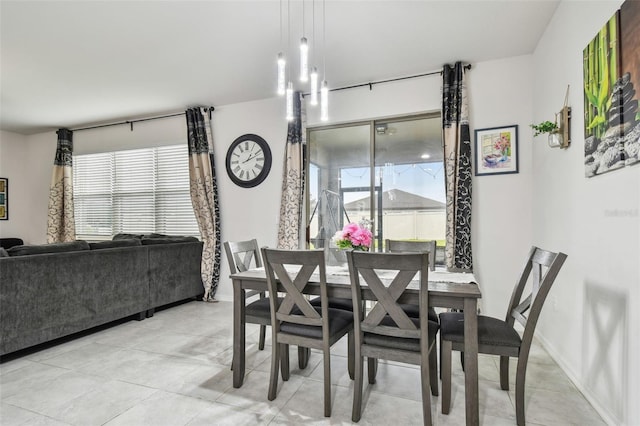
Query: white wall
[[28, 166], [593, 331]]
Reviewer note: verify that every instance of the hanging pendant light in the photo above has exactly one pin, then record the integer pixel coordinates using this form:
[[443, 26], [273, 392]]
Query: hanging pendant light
[[282, 63], [282, 66], [289, 106], [314, 86], [324, 101], [304, 60], [324, 90]]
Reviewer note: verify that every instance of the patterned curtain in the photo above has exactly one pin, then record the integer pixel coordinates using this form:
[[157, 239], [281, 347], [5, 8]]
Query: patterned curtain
[[204, 196], [61, 225], [293, 179], [457, 151]]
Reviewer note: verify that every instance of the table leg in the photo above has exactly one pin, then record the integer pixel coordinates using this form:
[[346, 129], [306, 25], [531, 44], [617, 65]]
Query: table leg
[[238, 334], [471, 361]]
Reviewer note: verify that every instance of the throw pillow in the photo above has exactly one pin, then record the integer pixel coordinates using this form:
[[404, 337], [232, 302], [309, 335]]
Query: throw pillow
[[48, 248], [115, 243], [124, 236], [3, 252], [168, 240]]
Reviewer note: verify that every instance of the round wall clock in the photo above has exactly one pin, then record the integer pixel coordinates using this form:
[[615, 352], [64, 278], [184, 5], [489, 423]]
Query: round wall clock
[[248, 161]]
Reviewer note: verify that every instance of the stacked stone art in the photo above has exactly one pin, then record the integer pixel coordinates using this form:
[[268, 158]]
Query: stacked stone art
[[620, 145]]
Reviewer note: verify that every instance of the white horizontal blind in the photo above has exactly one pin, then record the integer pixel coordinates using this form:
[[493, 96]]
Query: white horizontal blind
[[136, 191]]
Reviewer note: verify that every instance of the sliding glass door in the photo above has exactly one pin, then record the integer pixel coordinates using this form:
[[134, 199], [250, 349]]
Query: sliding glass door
[[386, 174]]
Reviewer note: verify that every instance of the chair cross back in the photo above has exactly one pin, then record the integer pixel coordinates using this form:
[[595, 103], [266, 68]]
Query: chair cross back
[[294, 296], [243, 253], [407, 267], [541, 281], [294, 284]]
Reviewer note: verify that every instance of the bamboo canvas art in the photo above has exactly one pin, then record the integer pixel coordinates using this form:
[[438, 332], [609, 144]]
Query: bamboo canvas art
[[611, 121]]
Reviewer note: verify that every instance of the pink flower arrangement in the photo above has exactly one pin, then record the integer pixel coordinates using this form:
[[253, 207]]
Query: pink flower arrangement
[[353, 236]]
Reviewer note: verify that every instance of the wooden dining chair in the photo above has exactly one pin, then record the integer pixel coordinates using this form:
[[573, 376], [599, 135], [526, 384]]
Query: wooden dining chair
[[242, 256], [400, 246], [403, 246], [386, 331], [294, 321], [498, 337]]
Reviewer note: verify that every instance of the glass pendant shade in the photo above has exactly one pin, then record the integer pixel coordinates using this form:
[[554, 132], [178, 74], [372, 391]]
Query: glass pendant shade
[[304, 60], [282, 63], [289, 106], [324, 101], [314, 86]]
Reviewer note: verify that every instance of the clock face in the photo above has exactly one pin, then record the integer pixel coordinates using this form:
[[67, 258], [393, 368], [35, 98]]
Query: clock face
[[248, 160]]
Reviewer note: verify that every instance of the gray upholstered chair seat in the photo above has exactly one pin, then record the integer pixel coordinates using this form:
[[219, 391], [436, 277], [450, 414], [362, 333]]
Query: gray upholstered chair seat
[[491, 331], [338, 320], [336, 303], [413, 311], [400, 342], [260, 307]]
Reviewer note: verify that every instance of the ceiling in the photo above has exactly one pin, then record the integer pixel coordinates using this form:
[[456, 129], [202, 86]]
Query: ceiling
[[72, 63]]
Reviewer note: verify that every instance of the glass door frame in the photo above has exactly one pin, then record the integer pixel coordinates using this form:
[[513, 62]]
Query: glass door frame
[[372, 188]]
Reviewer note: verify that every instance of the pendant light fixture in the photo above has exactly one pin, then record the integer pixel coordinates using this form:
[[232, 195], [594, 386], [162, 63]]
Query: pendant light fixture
[[324, 90], [290, 101], [304, 60], [282, 63], [304, 52], [324, 101], [289, 94], [282, 66], [314, 71], [307, 73], [314, 86]]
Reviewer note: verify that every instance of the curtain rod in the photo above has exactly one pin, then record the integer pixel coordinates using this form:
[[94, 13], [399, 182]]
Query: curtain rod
[[370, 84], [130, 122]]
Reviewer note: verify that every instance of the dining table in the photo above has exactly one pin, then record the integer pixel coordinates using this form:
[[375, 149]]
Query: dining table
[[453, 290]]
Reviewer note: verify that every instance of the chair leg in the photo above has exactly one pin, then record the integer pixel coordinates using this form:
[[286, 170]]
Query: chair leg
[[521, 375], [303, 357], [445, 369], [350, 354], [284, 361], [372, 370], [504, 373], [433, 370], [357, 387], [263, 332], [275, 364], [327, 381], [426, 395]]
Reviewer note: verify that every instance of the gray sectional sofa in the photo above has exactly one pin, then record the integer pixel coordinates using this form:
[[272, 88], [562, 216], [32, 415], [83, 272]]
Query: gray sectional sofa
[[45, 296]]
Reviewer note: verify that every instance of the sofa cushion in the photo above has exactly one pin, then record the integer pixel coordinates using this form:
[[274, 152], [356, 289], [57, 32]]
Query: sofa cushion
[[168, 240], [3, 252], [130, 242], [7, 243], [125, 236], [48, 248]]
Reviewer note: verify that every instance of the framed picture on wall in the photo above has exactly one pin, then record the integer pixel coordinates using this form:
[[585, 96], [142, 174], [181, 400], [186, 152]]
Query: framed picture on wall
[[4, 199], [496, 150]]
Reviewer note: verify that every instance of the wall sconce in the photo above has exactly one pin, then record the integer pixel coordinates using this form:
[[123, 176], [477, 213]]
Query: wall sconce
[[559, 132]]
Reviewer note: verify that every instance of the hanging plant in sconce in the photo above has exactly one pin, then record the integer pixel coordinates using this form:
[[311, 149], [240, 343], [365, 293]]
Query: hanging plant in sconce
[[548, 127]]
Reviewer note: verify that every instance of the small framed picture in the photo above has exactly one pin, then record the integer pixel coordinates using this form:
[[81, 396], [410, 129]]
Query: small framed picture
[[4, 199], [496, 150]]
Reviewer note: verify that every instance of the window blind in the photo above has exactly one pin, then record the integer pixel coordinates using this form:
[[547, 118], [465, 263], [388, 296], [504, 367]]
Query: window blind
[[135, 191]]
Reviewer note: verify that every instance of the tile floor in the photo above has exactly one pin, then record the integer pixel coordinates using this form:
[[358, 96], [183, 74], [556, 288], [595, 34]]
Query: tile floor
[[173, 369]]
